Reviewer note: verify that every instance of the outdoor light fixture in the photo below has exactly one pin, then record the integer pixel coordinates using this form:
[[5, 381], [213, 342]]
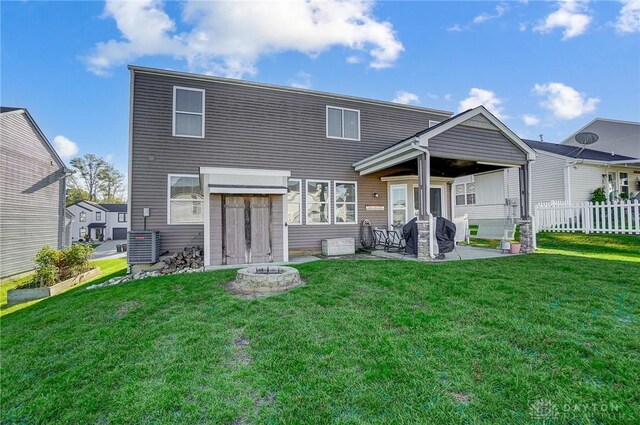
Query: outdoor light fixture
[[376, 195]]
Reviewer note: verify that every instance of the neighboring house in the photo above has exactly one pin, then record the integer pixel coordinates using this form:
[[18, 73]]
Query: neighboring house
[[566, 172], [253, 171], [569, 173], [99, 221], [32, 192], [614, 137]]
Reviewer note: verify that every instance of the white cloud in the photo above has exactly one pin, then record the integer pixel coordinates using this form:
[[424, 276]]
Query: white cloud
[[522, 26], [530, 119], [572, 15], [501, 9], [406, 98], [629, 17], [302, 80], [563, 101], [228, 38], [486, 98], [447, 97], [65, 147], [354, 59], [455, 28]]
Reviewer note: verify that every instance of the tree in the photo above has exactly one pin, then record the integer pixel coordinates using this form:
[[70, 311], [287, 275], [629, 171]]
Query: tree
[[88, 169], [75, 194], [110, 184]]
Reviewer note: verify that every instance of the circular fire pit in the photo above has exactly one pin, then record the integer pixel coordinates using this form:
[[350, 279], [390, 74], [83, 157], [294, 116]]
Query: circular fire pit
[[263, 280]]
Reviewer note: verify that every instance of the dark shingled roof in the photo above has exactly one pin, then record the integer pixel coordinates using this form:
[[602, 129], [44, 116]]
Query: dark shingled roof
[[119, 208], [4, 109], [575, 152]]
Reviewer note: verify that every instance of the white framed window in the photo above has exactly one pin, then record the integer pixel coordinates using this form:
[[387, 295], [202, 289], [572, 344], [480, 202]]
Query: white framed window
[[398, 205], [184, 199], [83, 216], [465, 193], [83, 232], [345, 202], [122, 217], [623, 178], [343, 123], [188, 112], [318, 206], [98, 216], [294, 201]]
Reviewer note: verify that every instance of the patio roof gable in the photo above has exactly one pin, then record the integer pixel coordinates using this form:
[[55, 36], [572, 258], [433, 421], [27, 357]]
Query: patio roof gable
[[478, 119]]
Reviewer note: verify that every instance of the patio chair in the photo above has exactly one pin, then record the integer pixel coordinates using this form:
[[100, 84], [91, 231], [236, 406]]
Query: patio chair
[[394, 241], [379, 238]]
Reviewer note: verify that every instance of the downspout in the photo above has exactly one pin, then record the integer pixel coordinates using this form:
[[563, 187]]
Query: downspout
[[567, 178]]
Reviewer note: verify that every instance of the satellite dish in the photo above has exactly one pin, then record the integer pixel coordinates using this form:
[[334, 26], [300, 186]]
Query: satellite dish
[[586, 138]]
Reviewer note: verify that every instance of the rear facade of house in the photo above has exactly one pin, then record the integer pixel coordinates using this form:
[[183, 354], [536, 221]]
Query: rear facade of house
[[32, 193], [253, 172]]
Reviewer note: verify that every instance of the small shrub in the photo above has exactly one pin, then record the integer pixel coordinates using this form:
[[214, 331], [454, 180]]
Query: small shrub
[[598, 195], [76, 258], [48, 256], [53, 266], [47, 275], [624, 196]]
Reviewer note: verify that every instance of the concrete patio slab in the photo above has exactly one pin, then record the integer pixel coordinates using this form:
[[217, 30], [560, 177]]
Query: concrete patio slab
[[462, 252]]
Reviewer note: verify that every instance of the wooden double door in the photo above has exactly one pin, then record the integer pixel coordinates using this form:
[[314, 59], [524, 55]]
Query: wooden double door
[[246, 229]]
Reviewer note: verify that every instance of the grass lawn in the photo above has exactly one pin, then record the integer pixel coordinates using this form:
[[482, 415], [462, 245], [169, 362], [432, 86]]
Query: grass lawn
[[368, 341]]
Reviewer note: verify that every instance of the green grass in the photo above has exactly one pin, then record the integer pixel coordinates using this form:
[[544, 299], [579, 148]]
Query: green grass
[[363, 342]]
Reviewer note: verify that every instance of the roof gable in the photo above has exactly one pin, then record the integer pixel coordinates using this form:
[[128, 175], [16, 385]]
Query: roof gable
[[9, 110]]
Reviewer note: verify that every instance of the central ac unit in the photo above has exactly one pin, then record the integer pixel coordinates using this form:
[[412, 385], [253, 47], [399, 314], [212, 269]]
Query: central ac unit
[[144, 247]]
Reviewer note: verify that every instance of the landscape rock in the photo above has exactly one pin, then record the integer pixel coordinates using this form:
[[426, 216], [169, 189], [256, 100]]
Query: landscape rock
[[188, 260]]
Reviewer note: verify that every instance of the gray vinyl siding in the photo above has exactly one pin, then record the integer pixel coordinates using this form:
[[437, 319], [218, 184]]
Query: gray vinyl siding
[[547, 179], [478, 144], [31, 192], [251, 127], [622, 138]]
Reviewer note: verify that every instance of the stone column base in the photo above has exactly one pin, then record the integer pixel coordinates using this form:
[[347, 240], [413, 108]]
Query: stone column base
[[424, 246], [526, 237]]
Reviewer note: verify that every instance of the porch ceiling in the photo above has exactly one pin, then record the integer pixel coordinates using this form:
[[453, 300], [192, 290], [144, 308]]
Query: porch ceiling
[[443, 167]]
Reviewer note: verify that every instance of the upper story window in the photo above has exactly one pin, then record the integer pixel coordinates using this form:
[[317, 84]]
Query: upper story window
[[465, 194], [343, 123], [188, 112], [185, 200], [83, 216], [122, 217], [98, 216], [294, 201]]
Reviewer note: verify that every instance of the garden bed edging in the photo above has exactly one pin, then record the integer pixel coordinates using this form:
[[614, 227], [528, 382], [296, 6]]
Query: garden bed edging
[[15, 296]]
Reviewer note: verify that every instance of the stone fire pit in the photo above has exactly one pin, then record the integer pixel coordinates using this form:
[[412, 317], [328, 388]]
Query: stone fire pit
[[264, 280]]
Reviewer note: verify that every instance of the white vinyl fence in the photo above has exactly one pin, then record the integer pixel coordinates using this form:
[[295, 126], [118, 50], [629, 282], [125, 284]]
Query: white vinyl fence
[[588, 217]]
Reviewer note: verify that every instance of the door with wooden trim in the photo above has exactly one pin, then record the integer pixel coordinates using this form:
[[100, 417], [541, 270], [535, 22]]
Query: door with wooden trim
[[247, 236]]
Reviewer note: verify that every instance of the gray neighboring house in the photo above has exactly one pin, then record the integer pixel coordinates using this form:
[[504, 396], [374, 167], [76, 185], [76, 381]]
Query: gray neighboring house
[[32, 192], [568, 173], [253, 172], [615, 137]]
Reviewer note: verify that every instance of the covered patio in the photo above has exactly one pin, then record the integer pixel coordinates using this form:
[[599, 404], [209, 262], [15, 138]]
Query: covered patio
[[471, 142]]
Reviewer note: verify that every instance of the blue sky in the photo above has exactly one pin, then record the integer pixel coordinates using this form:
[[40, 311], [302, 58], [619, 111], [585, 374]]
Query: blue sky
[[542, 66]]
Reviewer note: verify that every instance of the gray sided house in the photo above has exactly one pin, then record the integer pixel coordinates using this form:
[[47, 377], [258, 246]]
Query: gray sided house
[[98, 221], [568, 173], [32, 192], [253, 172]]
